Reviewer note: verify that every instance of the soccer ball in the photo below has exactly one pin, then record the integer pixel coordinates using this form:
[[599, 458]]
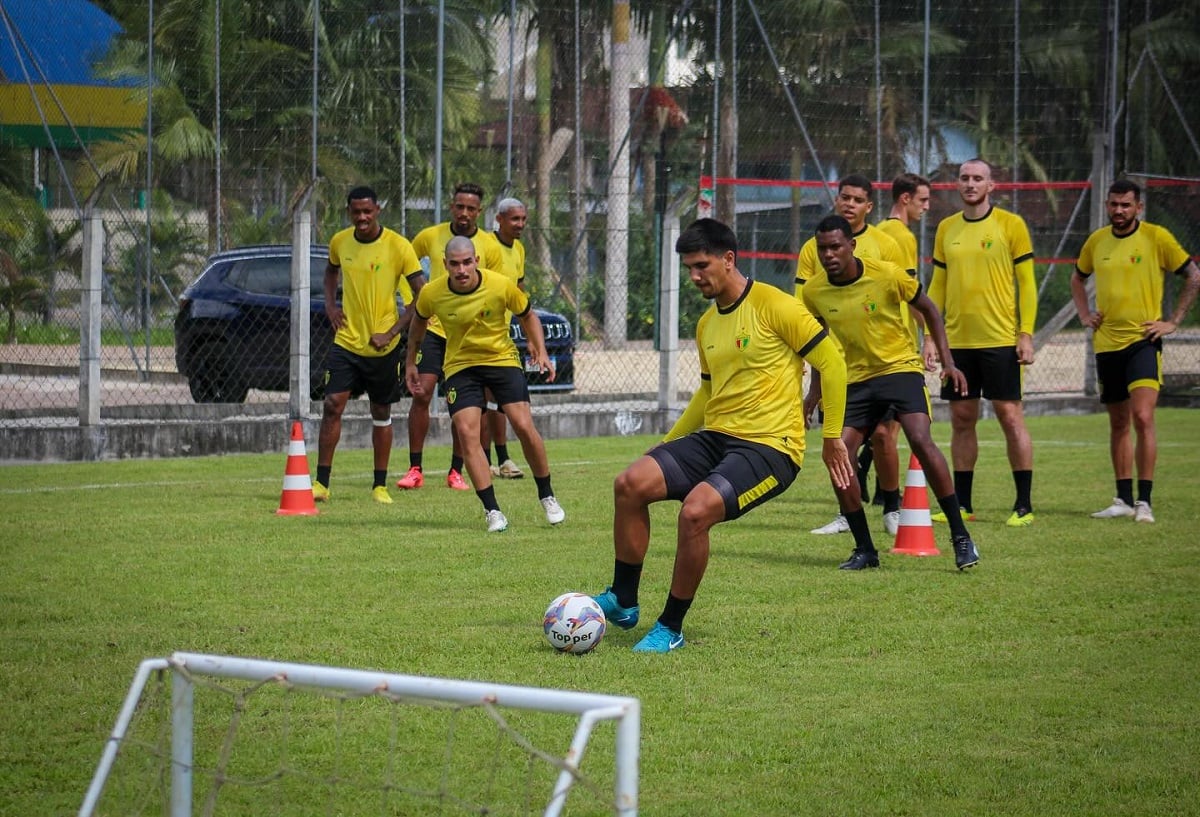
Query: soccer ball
[[574, 623]]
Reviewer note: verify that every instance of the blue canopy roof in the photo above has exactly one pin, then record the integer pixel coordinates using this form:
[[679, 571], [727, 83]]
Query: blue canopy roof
[[65, 37]]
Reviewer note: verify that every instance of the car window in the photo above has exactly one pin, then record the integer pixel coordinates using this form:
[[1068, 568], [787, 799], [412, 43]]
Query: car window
[[273, 275]]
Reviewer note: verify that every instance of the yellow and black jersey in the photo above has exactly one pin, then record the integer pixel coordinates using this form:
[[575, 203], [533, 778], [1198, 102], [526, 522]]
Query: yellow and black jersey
[[904, 238], [372, 273], [867, 317], [475, 322], [431, 243], [514, 260], [751, 370], [980, 268], [1129, 279]]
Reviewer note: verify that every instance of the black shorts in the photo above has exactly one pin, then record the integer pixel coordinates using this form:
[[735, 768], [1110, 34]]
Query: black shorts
[[379, 377], [745, 474], [993, 373], [1137, 365], [432, 355], [468, 388], [886, 397]]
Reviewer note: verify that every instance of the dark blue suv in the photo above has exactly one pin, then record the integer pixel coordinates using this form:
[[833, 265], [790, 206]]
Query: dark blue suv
[[233, 328]]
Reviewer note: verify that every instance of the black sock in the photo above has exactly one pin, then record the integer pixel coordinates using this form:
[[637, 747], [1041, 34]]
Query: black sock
[[949, 506], [414, 459], [865, 457], [626, 580], [323, 472], [487, 455], [673, 613], [501, 453], [964, 481], [543, 486], [488, 497], [861, 531], [1145, 486], [380, 477], [891, 500], [1125, 491], [456, 463], [1024, 482]]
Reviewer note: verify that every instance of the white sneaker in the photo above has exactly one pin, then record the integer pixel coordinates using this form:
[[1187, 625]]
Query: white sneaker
[[509, 470], [838, 525], [496, 521], [1116, 509], [1142, 512], [495, 469], [554, 511], [891, 522]]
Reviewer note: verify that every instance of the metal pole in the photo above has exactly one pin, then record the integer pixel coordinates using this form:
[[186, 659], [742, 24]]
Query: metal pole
[[512, 65], [1016, 131], [218, 227], [149, 183], [438, 113], [878, 112], [716, 108], [403, 131], [316, 72]]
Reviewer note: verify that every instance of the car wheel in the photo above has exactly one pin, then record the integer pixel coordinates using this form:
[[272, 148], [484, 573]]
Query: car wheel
[[212, 381]]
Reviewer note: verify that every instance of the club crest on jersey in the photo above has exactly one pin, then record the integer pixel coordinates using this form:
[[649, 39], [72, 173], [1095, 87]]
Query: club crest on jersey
[[451, 396], [870, 307], [1136, 258], [743, 342], [986, 242]]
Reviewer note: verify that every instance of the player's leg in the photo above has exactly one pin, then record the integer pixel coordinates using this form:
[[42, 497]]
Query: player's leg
[[429, 371], [512, 395], [887, 470], [1114, 396], [1145, 375], [382, 386], [341, 376], [964, 417], [849, 498]]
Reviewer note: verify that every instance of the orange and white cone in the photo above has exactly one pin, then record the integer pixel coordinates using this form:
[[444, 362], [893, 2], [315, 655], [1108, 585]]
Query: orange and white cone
[[915, 534], [297, 498]]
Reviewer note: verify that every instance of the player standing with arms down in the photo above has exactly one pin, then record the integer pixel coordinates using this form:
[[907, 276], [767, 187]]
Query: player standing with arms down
[[739, 443], [863, 301], [983, 285], [1128, 260], [373, 264], [472, 305], [465, 204]]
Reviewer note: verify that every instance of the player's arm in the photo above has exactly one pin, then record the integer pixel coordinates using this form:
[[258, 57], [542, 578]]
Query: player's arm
[[1187, 296], [824, 357], [937, 295], [1079, 294], [333, 311], [935, 332], [692, 418], [1027, 306], [535, 340]]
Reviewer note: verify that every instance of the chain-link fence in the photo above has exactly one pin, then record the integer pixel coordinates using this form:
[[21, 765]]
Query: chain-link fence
[[193, 129]]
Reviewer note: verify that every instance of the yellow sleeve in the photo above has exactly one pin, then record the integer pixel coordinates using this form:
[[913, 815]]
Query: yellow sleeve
[[692, 418], [1027, 299], [827, 359]]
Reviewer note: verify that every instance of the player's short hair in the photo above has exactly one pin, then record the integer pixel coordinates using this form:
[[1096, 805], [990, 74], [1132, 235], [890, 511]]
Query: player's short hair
[[470, 188], [1122, 186], [833, 223], [855, 180], [907, 183], [980, 161], [707, 235], [459, 243], [362, 192], [507, 204]]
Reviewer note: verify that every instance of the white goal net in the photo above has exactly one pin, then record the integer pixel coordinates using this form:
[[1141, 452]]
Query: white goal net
[[211, 735]]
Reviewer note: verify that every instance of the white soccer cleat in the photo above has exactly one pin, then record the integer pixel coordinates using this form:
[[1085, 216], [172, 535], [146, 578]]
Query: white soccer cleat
[[509, 470], [1142, 512], [1118, 508], [554, 511], [496, 521], [891, 522], [838, 525]]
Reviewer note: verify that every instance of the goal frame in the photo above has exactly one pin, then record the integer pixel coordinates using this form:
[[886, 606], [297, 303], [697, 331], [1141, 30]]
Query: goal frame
[[592, 708]]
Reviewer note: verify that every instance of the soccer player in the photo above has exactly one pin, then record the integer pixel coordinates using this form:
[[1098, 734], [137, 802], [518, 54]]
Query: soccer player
[[472, 304], [1128, 260], [373, 264], [740, 441], [862, 301], [511, 216], [854, 204], [465, 204], [983, 285]]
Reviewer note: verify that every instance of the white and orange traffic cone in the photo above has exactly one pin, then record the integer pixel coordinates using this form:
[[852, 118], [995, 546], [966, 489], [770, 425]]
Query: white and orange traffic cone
[[297, 497], [915, 534]]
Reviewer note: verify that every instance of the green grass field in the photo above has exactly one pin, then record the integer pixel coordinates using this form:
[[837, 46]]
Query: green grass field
[[1060, 677]]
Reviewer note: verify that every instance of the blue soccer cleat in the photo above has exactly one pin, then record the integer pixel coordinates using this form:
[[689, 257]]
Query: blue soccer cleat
[[624, 617], [661, 638]]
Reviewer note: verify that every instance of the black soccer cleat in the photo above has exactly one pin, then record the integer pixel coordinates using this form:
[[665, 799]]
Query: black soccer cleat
[[965, 554], [861, 560]]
